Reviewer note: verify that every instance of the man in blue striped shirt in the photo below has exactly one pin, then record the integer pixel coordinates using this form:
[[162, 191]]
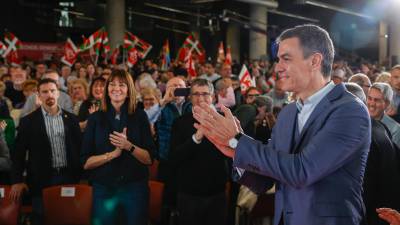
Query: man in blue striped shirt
[[52, 138]]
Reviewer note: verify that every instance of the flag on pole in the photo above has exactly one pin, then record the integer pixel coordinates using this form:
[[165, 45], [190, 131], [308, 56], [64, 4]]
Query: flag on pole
[[93, 41], [3, 48], [191, 69], [13, 58], [165, 57], [106, 43], [132, 41], [228, 58], [272, 80], [245, 79], [114, 55], [105, 46], [192, 45], [70, 53], [221, 53], [183, 52], [13, 44]]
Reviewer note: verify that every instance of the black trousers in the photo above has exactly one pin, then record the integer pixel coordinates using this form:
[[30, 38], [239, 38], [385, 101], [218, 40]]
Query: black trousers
[[201, 210]]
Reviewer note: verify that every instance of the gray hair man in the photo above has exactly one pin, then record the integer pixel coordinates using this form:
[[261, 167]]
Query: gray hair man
[[379, 98]]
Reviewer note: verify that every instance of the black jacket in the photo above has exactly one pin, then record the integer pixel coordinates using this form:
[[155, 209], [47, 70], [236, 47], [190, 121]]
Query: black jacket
[[126, 168], [382, 174], [32, 137], [200, 169]]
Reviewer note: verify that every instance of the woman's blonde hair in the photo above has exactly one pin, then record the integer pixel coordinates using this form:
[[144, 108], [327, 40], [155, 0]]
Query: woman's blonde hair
[[151, 91], [384, 77], [124, 77], [81, 82]]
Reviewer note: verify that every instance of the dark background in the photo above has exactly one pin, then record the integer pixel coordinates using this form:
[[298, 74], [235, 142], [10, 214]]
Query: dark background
[[37, 21]]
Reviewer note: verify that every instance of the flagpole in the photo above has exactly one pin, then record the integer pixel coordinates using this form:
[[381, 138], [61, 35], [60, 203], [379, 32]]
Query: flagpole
[[96, 59], [123, 56]]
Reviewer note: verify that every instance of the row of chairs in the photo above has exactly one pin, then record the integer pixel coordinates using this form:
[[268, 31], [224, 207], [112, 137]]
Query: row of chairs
[[73, 204]]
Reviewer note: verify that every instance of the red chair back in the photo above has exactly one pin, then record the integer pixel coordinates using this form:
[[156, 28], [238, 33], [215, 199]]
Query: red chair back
[[155, 203], [153, 170], [9, 210], [68, 204]]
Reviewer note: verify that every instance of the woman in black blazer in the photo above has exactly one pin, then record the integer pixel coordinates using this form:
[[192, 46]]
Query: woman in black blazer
[[117, 147]]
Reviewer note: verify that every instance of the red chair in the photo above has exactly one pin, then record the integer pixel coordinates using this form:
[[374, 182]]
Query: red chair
[[68, 204], [9, 210], [153, 171], [155, 203]]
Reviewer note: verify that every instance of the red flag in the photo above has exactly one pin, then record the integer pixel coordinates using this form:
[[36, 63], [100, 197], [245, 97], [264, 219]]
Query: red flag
[[11, 52], [13, 58], [132, 57], [182, 54], [141, 46], [3, 48], [93, 41], [70, 53], [245, 79], [190, 66], [221, 53], [228, 59], [114, 56], [193, 46]]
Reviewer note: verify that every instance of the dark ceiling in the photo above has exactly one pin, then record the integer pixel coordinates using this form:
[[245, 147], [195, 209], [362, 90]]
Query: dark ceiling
[[37, 20]]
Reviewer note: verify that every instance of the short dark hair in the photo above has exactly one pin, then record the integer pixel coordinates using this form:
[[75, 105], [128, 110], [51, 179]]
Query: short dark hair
[[46, 81], [202, 82], [313, 39]]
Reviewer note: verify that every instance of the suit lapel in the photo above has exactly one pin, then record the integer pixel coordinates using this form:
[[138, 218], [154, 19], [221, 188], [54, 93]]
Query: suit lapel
[[318, 111], [42, 129], [65, 119], [290, 124]]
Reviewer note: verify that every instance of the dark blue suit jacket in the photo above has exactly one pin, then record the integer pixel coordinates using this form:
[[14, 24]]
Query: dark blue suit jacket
[[319, 175]]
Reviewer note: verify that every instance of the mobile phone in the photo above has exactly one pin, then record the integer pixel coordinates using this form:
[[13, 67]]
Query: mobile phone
[[182, 92]]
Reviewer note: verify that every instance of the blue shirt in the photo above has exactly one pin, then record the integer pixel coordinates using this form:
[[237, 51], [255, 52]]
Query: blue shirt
[[305, 109]]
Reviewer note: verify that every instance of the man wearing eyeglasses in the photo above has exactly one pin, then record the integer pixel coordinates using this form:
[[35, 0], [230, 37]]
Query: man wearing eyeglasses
[[278, 95], [251, 94], [198, 166]]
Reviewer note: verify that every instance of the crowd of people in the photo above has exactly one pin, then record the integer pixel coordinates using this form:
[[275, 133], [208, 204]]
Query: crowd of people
[[106, 124]]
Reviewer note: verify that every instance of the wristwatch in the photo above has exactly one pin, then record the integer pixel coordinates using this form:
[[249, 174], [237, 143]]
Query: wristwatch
[[233, 142], [131, 149]]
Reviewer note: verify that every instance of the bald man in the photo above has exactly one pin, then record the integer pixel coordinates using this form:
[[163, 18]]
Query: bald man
[[172, 108]]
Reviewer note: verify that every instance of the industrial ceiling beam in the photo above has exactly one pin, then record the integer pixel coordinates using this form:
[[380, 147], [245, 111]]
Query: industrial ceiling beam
[[336, 8]]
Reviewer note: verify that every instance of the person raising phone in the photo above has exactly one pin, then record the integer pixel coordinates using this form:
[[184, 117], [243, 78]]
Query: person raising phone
[[172, 108]]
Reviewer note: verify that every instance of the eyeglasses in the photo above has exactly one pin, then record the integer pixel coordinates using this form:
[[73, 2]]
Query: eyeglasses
[[198, 94], [253, 95]]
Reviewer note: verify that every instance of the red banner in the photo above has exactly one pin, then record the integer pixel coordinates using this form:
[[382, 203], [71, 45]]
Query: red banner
[[38, 51]]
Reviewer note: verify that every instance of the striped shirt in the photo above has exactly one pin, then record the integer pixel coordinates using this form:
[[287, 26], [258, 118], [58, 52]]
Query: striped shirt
[[55, 132]]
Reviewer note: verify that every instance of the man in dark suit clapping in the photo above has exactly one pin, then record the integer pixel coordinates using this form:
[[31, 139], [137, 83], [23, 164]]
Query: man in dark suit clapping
[[52, 138], [200, 169]]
